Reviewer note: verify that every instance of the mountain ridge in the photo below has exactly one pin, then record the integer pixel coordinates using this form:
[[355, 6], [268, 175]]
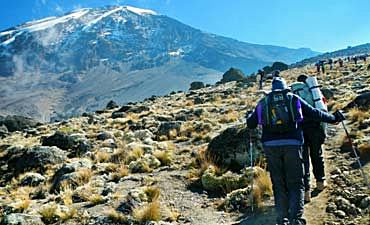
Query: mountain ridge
[[349, 51], [58, 54]]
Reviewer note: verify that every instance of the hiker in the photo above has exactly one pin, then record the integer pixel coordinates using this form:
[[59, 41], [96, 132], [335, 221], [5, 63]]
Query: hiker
[[355, 59], [340, 61], [317, 67], [363, 57], [314, 134], [330, 62], [276, 73], [322, 64], [280, 114], [260, 76]]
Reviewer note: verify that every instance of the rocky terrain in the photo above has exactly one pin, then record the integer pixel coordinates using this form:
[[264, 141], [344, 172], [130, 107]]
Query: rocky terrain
[[181, 158]]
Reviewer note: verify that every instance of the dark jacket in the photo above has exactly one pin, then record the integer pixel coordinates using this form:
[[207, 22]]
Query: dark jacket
[[309, 113]]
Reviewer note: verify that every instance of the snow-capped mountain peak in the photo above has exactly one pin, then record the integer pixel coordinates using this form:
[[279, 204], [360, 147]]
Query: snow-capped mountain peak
[[82, 59], [141, 11]]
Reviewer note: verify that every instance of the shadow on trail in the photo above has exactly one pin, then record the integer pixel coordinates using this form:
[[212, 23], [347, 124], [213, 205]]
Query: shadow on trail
[[315, 193], [264, 216]]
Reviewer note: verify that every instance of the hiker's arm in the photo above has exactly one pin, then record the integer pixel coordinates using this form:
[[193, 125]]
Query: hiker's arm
[[316, 114], [252, 120]]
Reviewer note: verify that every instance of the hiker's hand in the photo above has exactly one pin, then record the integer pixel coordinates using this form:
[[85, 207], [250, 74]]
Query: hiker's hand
[[248, 114], [339, 117]]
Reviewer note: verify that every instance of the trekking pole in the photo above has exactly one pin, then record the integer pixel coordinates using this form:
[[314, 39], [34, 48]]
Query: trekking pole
[[357, 158], [251, 158]]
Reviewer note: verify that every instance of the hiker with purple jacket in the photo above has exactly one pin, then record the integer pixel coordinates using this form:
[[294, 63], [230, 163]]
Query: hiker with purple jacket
[[280, 114]]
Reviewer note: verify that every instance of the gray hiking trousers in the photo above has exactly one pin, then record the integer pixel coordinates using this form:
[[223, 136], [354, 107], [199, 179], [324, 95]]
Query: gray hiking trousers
[[286, 168]]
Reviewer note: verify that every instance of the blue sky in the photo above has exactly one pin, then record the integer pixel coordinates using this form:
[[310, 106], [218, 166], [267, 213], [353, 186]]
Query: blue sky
[[323, 25]]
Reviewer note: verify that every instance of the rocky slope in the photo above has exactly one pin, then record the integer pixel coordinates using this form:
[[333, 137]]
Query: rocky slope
[[350, 51], [79, 61], [168, 160]]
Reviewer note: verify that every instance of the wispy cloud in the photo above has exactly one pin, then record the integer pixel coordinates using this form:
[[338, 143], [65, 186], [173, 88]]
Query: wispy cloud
[[59, 9], [78, 6]]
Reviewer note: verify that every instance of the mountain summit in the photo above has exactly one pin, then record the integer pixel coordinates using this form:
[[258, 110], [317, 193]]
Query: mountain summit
[[81, 60]]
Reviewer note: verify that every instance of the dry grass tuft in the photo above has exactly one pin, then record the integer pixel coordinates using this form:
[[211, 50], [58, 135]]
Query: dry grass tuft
[[357, 115], [96, 199], [119, 155], [133, 116], [230, 117], [71, 213], [165, 157], [49, 213], [257, 197], [120, 172], [101, 157], [83, 176], [152, 193], [199, 164], [263, 182], [172, 134], [364, 152], [22, 205], [116, 217], [148, 212], [66, 194], [22, 193], [163, 138], [135, 154]]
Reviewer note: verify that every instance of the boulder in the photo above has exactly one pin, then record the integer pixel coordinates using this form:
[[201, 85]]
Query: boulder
[[230, 149], [362, 101], [35, 158], [117, 114], [196, 85], [279, 66], [139, 166], [152, 161], [111, 105], [60, 140], [109, 143], [328, 94], [32, 179], [3, 131], [68, 174], [365, 202], [75, 144], [237, 200], [104, 136], [133, 108], [143, 134], [166, 127], [198, 101], [19, 123], [81, 147], [233, 75], [22, 219]]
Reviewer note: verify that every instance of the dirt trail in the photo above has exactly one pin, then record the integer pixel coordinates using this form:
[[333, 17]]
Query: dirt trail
[[315, 211]]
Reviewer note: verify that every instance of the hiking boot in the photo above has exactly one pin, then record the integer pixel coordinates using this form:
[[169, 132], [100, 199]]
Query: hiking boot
[[320, 185], [299, 221], [307, 196], [285, 221]]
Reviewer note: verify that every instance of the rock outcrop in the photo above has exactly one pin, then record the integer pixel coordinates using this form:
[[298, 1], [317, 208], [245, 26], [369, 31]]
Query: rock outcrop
[[231, 148]]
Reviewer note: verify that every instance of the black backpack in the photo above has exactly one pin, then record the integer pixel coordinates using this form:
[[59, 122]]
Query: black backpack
[[280, 113]]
